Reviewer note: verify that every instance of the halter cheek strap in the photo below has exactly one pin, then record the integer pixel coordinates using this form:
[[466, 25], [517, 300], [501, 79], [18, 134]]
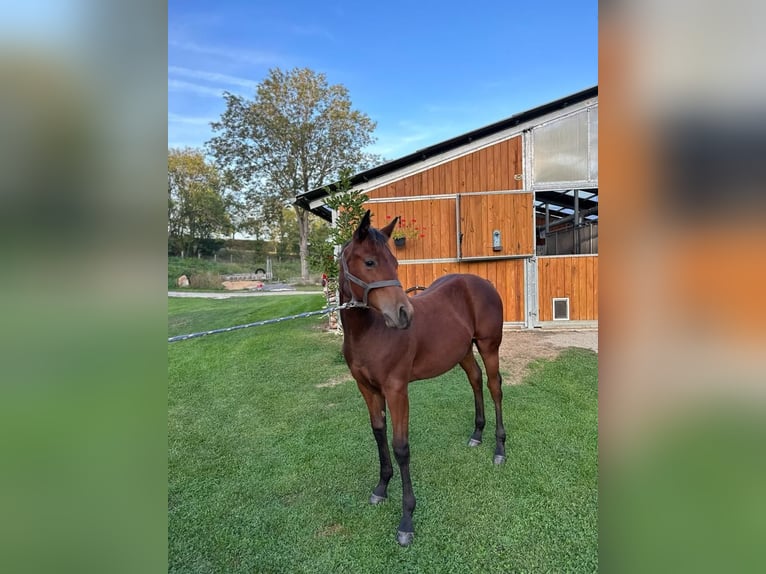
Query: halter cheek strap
[[366, 286]]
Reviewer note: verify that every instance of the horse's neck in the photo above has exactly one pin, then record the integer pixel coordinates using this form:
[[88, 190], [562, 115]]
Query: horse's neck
[[357, 321]]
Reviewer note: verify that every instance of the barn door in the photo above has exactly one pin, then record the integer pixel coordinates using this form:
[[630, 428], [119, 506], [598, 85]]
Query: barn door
[[495, 225]]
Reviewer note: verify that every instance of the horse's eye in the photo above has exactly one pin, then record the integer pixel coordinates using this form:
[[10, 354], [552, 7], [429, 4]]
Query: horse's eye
[[369, 263]]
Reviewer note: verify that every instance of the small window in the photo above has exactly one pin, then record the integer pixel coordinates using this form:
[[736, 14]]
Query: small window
[[561, 309]]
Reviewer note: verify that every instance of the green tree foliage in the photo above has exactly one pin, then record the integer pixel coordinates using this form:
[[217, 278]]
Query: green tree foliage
[[197, 207], [296, 134], [349, 210]]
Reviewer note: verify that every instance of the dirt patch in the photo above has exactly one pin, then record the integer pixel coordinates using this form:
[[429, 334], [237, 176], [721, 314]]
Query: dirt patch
[[334, 382], [237, 285], [520, 348], [332, 530]]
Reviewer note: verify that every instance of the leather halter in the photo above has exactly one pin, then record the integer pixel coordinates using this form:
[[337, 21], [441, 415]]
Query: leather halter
[[366, 286]]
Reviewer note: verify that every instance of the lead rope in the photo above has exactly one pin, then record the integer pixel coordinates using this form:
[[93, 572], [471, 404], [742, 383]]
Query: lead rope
[[353, 303], [265, 322]]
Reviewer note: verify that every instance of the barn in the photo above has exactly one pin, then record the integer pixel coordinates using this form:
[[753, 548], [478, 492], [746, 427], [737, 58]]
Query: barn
[[515, 202]]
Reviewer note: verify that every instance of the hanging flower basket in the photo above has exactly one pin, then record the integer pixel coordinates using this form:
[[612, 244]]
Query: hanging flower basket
[[404, 230]]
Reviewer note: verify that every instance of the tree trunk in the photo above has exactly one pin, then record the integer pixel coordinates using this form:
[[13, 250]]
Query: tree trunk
[[303, 228]]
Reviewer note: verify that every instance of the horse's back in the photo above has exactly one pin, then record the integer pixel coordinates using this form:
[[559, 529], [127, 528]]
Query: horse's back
[[473, 286], [475, 294]]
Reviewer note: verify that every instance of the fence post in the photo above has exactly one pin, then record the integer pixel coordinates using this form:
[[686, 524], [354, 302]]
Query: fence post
[[331, 294]]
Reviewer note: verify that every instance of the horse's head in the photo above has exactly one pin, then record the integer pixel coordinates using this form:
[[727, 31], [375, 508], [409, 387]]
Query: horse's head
[[368, 274]]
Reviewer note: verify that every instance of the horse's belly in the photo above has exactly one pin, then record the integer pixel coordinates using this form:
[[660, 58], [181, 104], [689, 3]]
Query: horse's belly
[[435, 360], [419, 375]]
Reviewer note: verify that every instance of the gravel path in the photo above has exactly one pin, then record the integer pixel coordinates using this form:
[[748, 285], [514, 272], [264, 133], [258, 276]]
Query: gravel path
[[230, 294]]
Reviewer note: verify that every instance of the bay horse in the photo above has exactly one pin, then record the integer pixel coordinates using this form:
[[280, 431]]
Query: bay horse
[[391, 339]]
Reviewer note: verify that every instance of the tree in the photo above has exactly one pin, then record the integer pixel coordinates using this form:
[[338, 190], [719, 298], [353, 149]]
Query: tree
[[295, 135], [197, 207], [349, 209]]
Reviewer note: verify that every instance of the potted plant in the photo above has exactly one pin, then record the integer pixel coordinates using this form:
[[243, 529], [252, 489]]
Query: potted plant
[[405, 229]]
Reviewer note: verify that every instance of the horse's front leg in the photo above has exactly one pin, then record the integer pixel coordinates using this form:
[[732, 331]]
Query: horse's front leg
[[376, 404], [398, 404]]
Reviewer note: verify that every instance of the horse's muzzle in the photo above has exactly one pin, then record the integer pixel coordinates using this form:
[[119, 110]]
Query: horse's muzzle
[[401, 319], [405, 317]]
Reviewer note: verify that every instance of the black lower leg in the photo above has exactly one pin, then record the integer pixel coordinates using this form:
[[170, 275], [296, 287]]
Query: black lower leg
[[402, 454], [479, 420], [497, 397], [472, 370], [386, 469]]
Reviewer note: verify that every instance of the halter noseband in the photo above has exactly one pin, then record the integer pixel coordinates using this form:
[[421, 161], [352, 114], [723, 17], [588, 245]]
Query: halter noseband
[[366, 286]]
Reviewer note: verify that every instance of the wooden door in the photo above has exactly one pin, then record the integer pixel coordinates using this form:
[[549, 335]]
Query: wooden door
[[495, 225]]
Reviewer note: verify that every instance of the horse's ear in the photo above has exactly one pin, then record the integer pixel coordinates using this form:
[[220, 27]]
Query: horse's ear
[[388, 229], [364, 227]]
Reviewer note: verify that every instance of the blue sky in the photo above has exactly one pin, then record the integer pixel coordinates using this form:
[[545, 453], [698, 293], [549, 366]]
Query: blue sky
[[424, 71]]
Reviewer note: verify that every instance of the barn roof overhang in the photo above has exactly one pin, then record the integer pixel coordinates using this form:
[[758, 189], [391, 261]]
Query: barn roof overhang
[[314, 200]]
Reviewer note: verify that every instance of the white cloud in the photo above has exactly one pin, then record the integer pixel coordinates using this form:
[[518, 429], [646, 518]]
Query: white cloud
[[213, 77], [394, 146], [409, 136], [180, 85], [189, 120], [248, 56]]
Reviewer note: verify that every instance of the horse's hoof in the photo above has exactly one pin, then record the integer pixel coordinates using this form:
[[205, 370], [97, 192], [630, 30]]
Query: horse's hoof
[[499, 459], [404, 538], [375, 499], [473, 442]]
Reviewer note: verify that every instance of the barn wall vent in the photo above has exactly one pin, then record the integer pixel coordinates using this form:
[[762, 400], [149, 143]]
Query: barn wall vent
[[561, 308]]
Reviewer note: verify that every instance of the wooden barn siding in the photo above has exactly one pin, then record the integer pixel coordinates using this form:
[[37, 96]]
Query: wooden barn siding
[[574, 277], [435, 220], [506, 275], [509, 213], [489, 169]]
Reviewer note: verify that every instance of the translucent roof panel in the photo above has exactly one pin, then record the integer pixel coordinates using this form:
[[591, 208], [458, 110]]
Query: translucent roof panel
[[566, 149]]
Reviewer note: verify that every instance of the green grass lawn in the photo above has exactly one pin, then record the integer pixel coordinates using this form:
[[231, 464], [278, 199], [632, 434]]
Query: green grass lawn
[[270, 469]]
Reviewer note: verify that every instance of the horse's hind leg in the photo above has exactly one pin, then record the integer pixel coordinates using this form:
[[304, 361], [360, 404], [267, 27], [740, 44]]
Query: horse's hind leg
[[490, 355], [377, 407], [472, 370]]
